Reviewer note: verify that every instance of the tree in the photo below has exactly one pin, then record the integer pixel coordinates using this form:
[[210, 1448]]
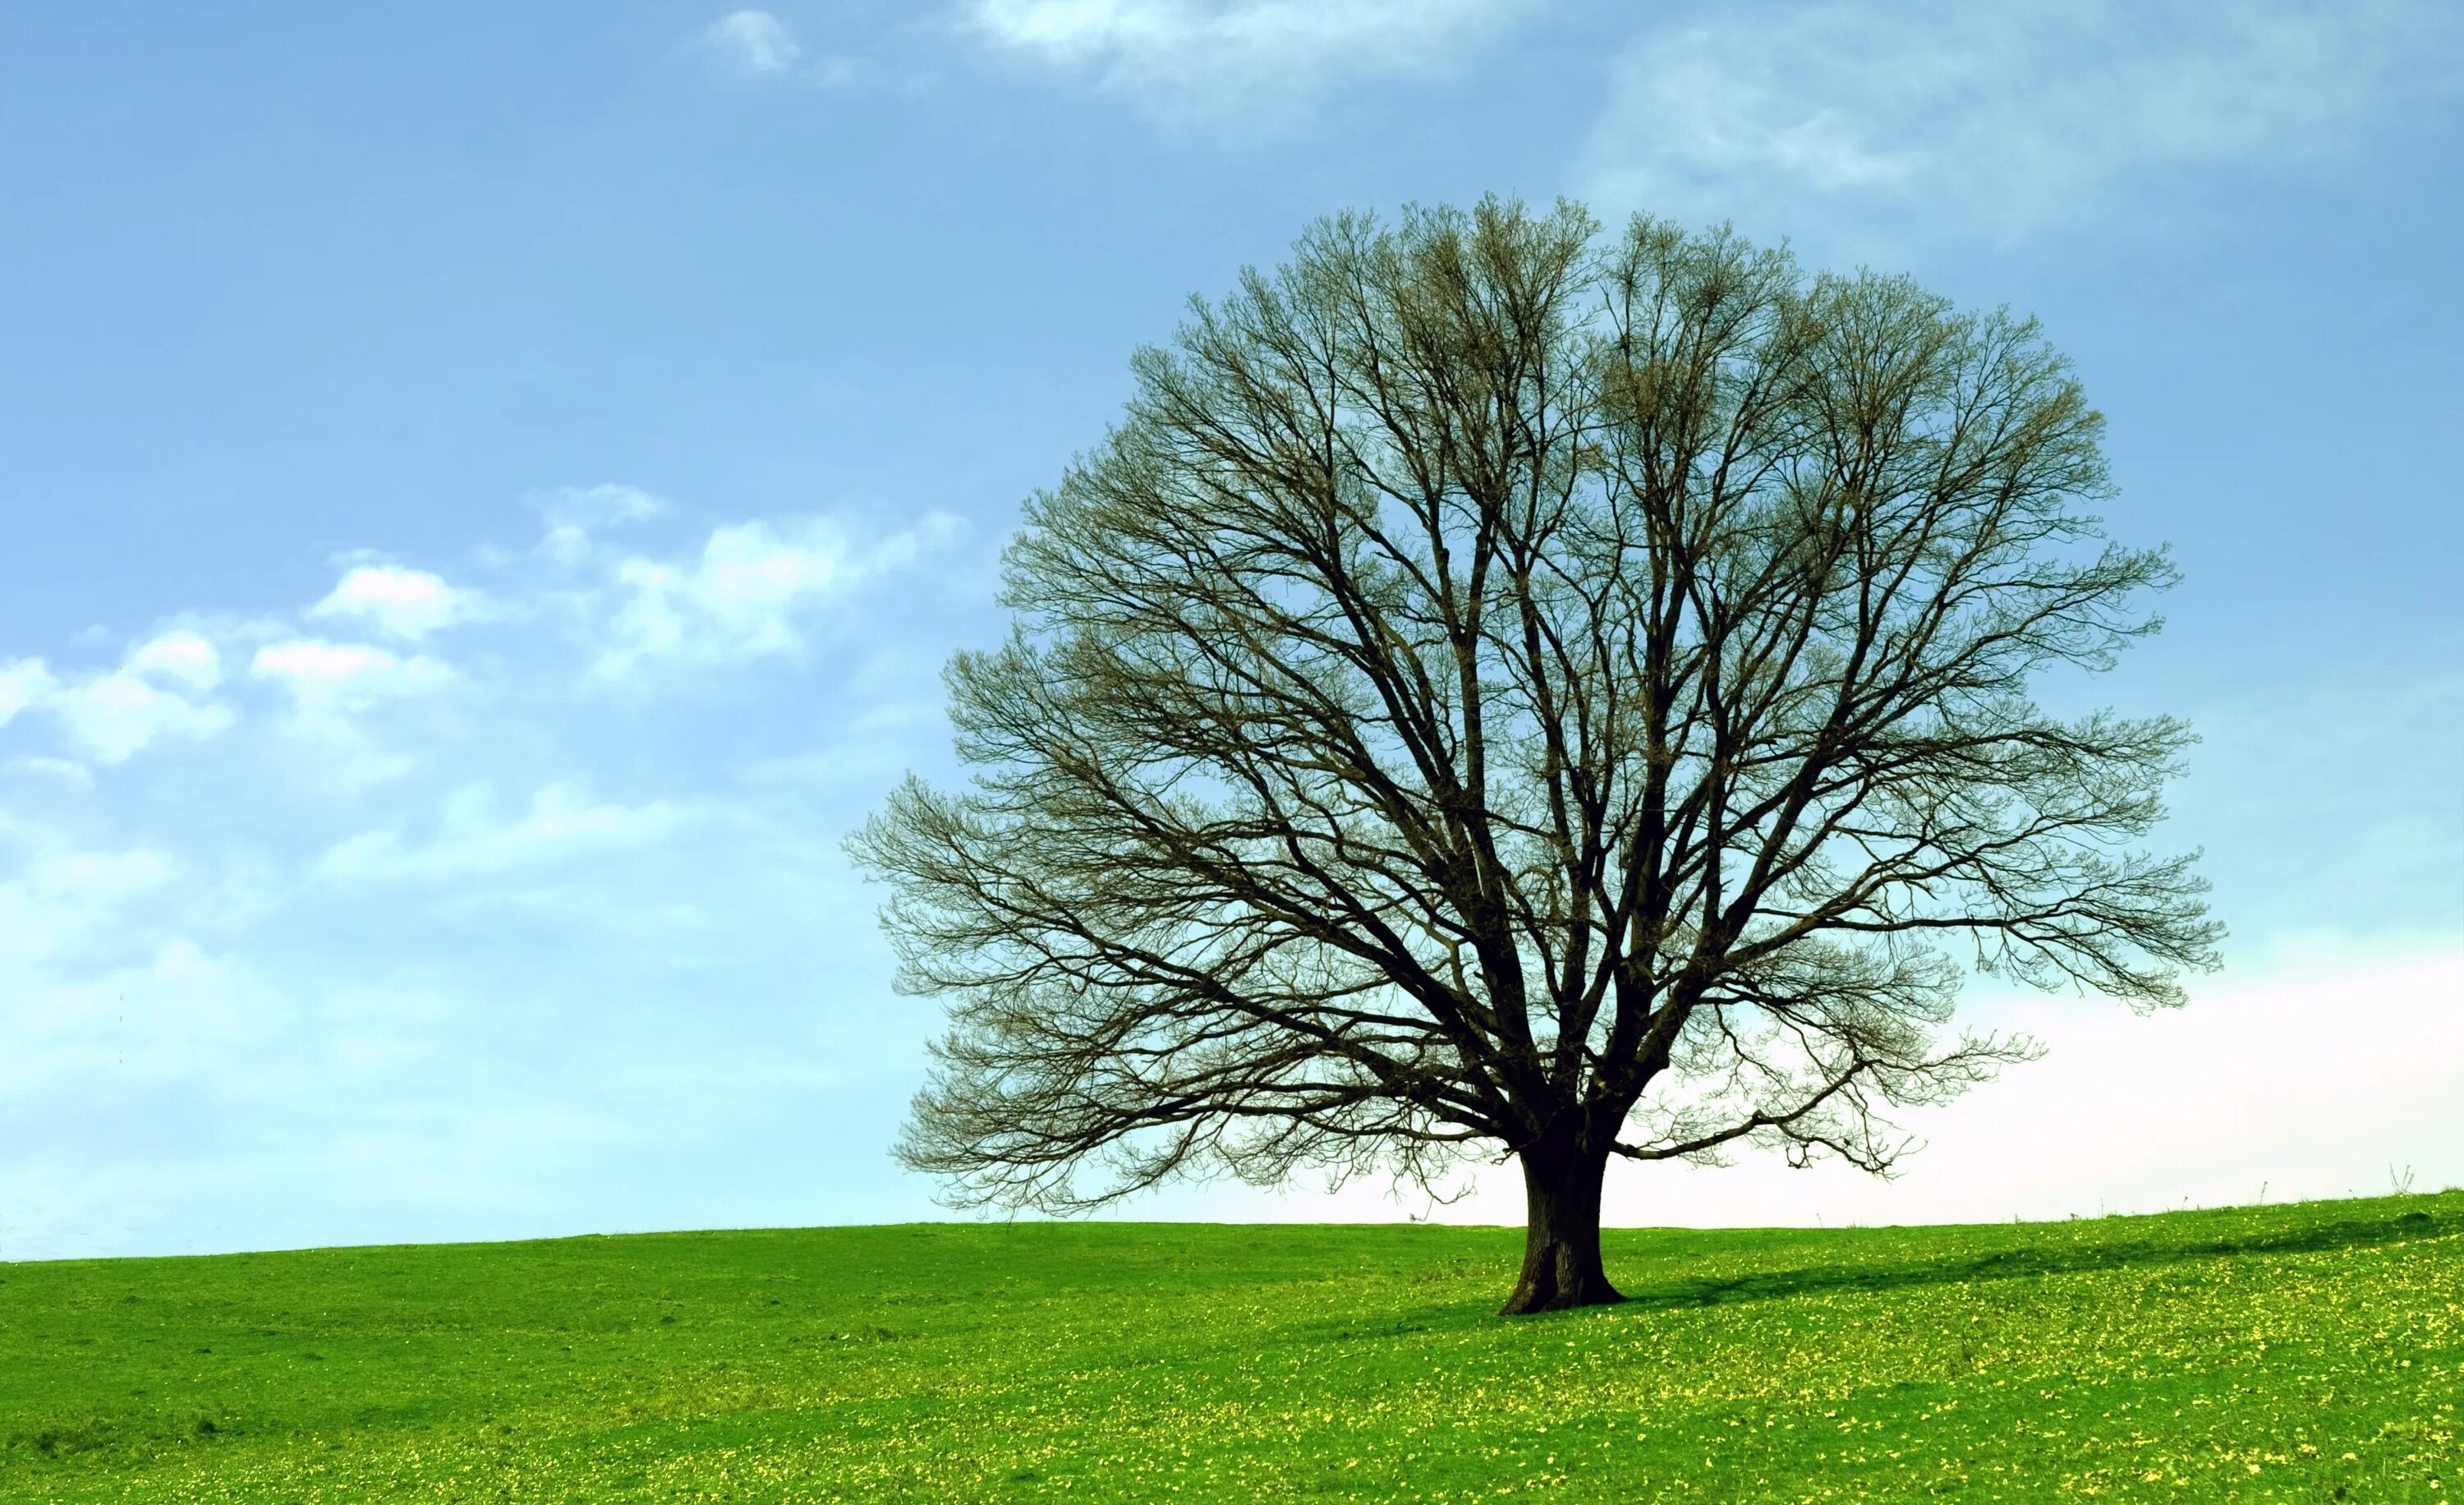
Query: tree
[[1509, 688]]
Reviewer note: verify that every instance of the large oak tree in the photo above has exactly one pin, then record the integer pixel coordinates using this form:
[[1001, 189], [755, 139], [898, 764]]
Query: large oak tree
[[1507, 688]]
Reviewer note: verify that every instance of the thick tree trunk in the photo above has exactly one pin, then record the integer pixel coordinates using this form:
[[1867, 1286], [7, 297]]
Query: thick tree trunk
[[1561, 1240]]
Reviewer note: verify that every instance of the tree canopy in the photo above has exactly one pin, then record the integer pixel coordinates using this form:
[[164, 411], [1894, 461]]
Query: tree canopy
[[1509, 688]]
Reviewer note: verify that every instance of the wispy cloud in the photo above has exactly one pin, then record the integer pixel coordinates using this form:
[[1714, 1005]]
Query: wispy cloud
[[61, 770], [751, 592], [23, 682], [758, 47], [753, 43], [475, 838], [60, 897], [578, 517], [1876, 125], [1208, 60], [590, 508]]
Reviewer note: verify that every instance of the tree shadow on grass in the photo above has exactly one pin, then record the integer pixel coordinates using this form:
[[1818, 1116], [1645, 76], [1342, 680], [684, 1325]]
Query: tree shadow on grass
[[2031, 1260]]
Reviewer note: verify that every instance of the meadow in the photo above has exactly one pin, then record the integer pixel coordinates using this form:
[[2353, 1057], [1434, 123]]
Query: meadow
[[2307, 1351]]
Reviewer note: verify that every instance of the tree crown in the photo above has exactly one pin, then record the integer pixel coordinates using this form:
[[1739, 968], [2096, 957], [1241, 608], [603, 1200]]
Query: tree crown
[[1503, 683]]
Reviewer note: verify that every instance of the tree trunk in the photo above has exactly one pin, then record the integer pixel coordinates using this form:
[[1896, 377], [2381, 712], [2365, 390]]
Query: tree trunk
[[1561, 1239]]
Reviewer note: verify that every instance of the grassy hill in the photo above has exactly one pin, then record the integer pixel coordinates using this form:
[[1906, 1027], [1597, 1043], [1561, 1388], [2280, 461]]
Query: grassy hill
[[2305, 1352]]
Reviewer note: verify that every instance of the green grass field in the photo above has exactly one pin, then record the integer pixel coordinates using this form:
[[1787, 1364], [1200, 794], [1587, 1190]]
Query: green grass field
[[2311, 1352]]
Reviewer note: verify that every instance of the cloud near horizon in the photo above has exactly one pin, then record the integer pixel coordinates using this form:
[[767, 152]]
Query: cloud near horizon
[[388, 870], [2275, 1083]]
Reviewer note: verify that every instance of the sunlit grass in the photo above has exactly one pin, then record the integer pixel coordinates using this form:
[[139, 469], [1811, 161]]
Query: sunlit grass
[[2306, 1352]]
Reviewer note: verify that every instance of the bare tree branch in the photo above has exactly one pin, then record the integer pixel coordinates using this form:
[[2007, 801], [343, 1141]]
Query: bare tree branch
[[1507, 688]]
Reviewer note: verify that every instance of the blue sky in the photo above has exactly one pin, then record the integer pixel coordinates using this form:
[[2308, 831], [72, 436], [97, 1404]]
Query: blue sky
[[489, 490]]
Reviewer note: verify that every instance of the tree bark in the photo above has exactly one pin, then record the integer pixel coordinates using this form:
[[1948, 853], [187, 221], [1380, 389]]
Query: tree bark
[[1561, 1240]]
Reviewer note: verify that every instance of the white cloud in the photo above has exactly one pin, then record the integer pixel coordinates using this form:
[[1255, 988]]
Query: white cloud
[[576, 515], [2321, 1074], [401, 603], [752, 592], [751, 42], [23, 682], [113, 718], [335, 689], [1189, 59], [595, 507], [384, 900], [183, 960], [181, 656], [1994, 120], [104, 876], [97, 875], [60, 897], [323, 676], [67, 770], [473, 840]]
